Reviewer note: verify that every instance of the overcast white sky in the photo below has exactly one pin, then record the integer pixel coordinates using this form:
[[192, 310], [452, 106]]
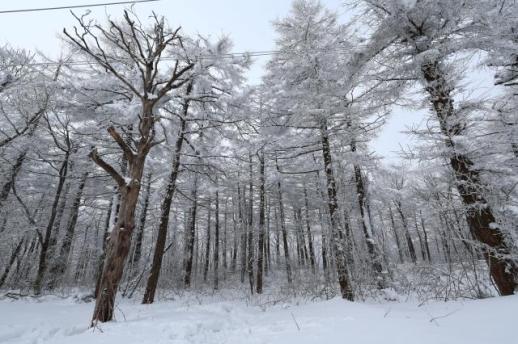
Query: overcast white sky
[[248, 23]]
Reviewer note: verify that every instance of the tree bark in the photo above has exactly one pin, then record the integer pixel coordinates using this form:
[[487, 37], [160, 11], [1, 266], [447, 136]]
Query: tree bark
[[284, 233], [308, 232], [480, 218], [165, 209], [336, 232], [59, 267], [45, 243], [216, 243], [190, 237], [260, 241]]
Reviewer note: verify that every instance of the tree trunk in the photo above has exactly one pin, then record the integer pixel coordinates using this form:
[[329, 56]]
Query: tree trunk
[[216, 244], [207, 245], [482, 222], [336, 232], [45, 243], [250, 225], [260, 241], [59, 267], [165, 209], [308, 232], [12, 258], [410, 243], [371, 245], [190, 237], [283, 226], [137, 253]]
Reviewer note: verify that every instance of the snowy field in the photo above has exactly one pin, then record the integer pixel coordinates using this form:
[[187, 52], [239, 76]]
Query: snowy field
[[53, 320]]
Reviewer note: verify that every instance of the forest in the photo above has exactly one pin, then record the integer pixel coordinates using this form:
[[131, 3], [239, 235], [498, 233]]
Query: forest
[[143, 165]]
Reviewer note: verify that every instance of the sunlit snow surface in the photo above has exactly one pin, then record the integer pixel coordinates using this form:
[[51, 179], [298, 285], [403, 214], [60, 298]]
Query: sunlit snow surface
[[64, 321]]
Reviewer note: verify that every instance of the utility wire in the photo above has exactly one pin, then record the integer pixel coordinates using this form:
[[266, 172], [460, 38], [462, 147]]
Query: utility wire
[[75, 6]]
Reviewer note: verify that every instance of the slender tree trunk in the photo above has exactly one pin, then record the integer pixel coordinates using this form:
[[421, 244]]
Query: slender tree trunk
[[59, 267], [371, 244], [283, 227], [480, 218], [427, 246], [216, 244], [308, 232], [242, 229], [207, 245], [396, 236], [165, 209], [250, 225], [45, 243], [336, 232], [12, 258], [104, 238], [191, 236], [410, 243], [260, 242], [139, 237]]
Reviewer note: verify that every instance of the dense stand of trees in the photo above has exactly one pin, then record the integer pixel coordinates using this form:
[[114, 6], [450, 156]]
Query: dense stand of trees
[[205, 182]]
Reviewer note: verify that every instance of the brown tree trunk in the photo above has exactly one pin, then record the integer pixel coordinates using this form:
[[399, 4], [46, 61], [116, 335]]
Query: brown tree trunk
[[165, 210], [480, 218], [336, 232]]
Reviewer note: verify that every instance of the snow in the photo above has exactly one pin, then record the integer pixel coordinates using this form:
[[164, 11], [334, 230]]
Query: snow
[[59, 321]]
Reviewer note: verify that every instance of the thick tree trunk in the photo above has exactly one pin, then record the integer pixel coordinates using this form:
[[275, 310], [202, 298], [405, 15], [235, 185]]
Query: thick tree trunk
[[482, 222], [260, 241], [118, 245], [336, 232]]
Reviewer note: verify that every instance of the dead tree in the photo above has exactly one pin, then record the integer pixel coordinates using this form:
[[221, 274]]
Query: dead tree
[[141, 50]]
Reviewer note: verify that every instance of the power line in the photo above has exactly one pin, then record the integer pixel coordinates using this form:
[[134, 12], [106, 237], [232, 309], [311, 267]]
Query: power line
[[76, 6], [166, 58]]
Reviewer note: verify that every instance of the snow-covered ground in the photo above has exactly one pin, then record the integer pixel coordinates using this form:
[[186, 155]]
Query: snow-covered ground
[[52, 320]]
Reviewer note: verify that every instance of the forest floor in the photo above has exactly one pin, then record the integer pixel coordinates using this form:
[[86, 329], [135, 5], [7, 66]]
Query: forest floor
[[190, 319]]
